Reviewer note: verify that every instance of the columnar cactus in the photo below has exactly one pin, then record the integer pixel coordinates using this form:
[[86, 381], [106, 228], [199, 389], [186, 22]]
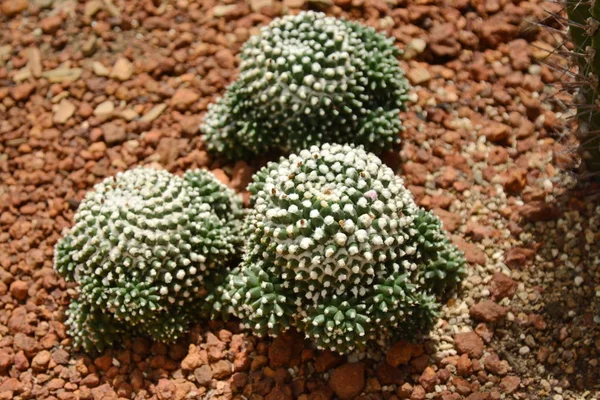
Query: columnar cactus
[[142, 246], [585, 34], [338, 248], [309, 79]]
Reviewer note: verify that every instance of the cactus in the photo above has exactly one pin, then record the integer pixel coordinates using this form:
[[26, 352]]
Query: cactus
[[223, 200], [584, 32], [141, 248], [337, 248], [309, 79]]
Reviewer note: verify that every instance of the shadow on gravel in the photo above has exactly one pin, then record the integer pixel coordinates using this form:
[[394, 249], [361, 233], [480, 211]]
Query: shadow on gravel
[[555, 336]]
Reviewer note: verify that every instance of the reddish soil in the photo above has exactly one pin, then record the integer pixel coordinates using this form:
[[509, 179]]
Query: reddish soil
[[89, 88]]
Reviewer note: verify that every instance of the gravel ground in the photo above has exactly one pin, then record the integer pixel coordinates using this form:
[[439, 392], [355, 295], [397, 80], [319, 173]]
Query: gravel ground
[[89, 88]]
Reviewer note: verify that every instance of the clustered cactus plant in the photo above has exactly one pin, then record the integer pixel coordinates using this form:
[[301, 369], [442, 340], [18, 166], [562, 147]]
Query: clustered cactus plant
[[337, 247], [309, 79], [141, 249], [584, 31]]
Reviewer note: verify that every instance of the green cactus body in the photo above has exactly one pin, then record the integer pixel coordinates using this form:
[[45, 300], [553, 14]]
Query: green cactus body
[[309, 79], [585, 34], [142, 245], [223, 200], [337, 247]]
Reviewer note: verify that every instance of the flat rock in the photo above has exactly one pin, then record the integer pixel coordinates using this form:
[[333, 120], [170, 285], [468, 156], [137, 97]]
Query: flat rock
[[51, 24], [203, 375], [469, 343], [222, 10], [193, 359], [26, 343], [348, 381], [518, 256], [41, 360], [184, 98], [478, 396], [464, 365], [168, 150], [18, 289], [509, 384], [23, 91], [92, 7], [153, 113], [450, 220], [428, 379], [496, 366], [63, 112], [221, 369], [11, 384], [414, 48], [104, 392], [114, 133], [62, 74], [11, 8], [473, 254], [257, 5], [496, 30], [128, 114], [165, 389], [402, 352], [502, 286], [418, 75], [496, 132], [294, 3], [487, 311], [60, 356], [91, 380], [327, 360], [18, 321], [22, 75], [99, 69], [539, 211], [6, 359], [443, 41], [122, 69], [35, 62], [104, 109]]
